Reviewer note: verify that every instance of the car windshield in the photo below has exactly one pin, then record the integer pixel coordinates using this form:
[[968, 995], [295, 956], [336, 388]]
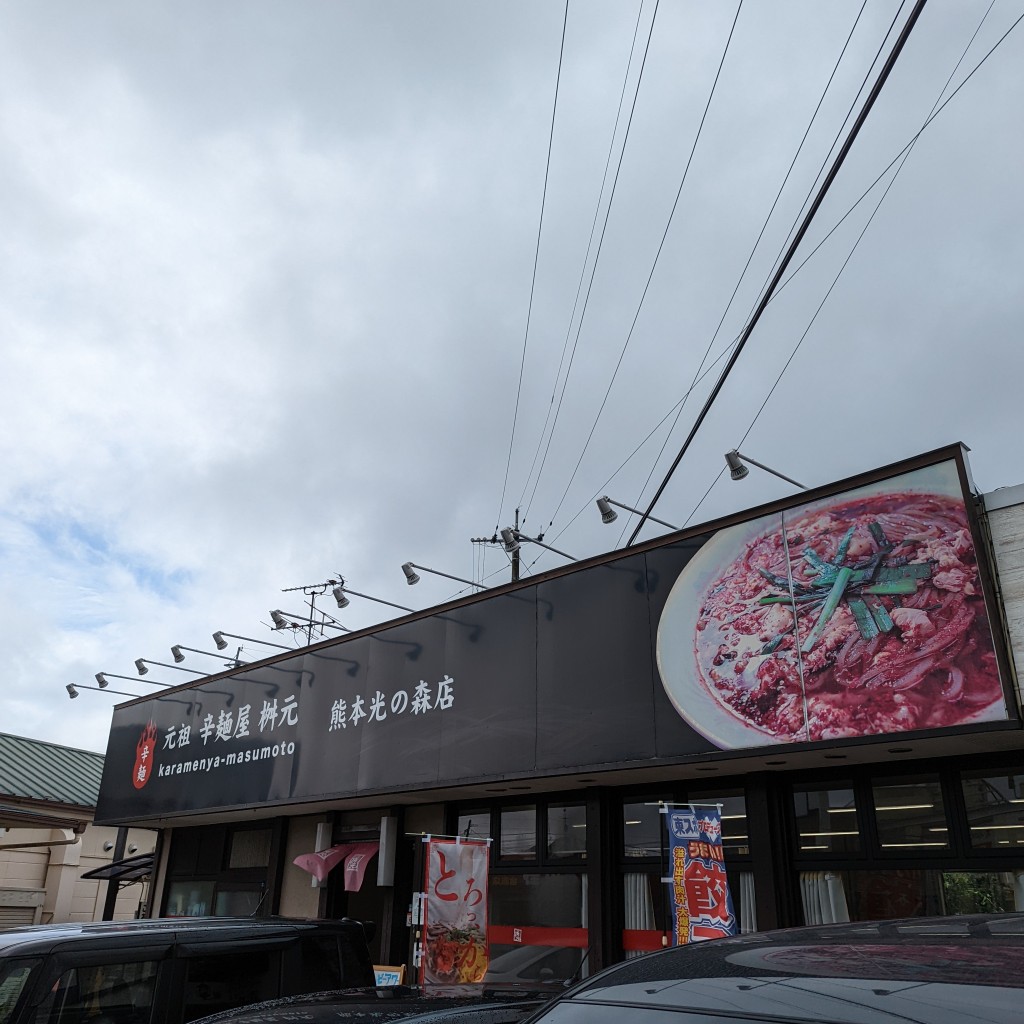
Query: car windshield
[[14, 976]]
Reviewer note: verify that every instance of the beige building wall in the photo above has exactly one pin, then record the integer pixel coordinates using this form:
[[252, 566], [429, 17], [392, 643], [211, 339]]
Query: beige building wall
[[299, 896], [1005, 515], [42, 883]]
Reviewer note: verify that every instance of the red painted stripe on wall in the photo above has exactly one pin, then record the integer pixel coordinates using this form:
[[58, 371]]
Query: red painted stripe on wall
[[636, 940], [511, 935]]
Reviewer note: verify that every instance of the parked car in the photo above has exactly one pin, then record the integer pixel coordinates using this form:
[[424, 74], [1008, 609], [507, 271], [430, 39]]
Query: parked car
[[172, 970], [472, 1004], [916, 971]]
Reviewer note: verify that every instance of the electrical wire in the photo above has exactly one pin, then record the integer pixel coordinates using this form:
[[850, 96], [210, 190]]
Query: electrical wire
[[832, 149], [905, 148], [536, 260], [586, 258], [791, 250], [622, 465], [600, 246], [793, 227], [650, 277], [796, 271], [892, 181], [905, 153], [753, 250]]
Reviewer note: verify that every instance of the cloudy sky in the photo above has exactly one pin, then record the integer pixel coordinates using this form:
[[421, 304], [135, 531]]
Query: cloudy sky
[[295, 290]]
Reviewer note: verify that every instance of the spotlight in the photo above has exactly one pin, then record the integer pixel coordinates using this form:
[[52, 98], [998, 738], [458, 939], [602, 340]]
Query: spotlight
[[608, 514], [737, 470]]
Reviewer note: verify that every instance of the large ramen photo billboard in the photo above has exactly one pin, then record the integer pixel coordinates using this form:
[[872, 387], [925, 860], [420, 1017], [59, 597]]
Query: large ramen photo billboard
[[856, 615]]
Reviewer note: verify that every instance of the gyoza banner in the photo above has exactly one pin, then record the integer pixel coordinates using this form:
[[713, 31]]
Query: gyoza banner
[[455, 948], [701, 902]]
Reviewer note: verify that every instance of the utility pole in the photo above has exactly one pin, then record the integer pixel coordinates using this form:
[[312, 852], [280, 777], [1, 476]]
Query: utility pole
[[495, 539], [515, 554]]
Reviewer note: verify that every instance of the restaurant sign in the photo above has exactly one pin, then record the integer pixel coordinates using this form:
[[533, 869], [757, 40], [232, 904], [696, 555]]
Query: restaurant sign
[[857, 611]]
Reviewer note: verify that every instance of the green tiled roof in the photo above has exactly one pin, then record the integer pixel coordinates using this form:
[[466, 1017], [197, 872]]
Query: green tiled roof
[[36, 770]]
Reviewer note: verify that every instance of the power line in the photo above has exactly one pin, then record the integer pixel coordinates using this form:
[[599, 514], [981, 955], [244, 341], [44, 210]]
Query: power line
[[796, 271], [790, 252], [906, 155], [753, 250], [905, 149], [657, 256], [832, 148], [586, 258], [536, 259], [600, 245], [721, 355]]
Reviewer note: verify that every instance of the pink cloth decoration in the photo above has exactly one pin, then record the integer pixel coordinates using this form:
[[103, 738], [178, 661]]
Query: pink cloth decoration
[[319, 864], [356, 861]]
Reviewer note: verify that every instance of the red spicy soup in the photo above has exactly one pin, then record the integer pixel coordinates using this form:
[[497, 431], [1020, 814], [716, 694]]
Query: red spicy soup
[[875, 623]]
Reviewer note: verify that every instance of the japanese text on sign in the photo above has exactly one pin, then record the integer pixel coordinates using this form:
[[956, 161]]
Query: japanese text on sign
[[455, 950], [423, 699], [229, 726], [701, 902]]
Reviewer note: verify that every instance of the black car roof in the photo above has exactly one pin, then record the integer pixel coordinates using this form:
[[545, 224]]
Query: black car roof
[[800, 973], [383, 1004], [38, 938]]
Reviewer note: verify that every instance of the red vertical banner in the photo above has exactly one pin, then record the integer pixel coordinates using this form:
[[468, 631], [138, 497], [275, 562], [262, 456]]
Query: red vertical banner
[[455, 912]]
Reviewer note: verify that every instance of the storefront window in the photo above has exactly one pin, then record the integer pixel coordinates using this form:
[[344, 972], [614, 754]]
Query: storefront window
[[735, 839], [876, 895], [645, 919], [910, 815], [826, 819], [249, 848], [519, 833], [642, 829], [238, 902], [995, 809], [474, 825], [567, 830], [982, 892], [189, 899], [538, 927]]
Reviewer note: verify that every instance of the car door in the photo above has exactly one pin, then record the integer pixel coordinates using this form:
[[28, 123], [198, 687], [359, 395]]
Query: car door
[[215, 976], [109, 985]]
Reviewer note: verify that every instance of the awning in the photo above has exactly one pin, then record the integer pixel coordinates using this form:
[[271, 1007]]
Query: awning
[[356, 856], [131, 869], [20, 816]]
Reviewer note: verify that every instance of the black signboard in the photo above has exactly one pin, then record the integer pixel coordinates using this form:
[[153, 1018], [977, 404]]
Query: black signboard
[[851, 612]]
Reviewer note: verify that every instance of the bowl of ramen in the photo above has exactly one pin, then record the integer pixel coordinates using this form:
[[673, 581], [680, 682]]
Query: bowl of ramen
[[455, 955], [853, 616]]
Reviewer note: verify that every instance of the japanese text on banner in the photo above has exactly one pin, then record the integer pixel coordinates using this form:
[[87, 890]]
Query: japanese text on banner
[[455, 948], [701, 902]]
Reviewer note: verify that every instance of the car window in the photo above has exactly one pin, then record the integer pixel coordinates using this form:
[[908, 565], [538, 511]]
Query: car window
[[117, 993], [222, 981], [312, 964], [14, 975]]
